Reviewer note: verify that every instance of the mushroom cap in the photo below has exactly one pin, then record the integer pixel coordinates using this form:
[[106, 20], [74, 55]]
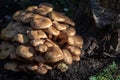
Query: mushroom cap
[[62, 67], [36, 34], [47, 7], [41, 23], [26, 17], [6, 49], [67, 56], [54, 54], [32, 67], [17, 14], [75, 41], [56, 16], [32, 9], [42, 48], [59, 26], [37, 42], [53, 31], [24, 51], [74, 50], [70, 31], [76, 58], [21, 38], [11, 66], [50, 43]]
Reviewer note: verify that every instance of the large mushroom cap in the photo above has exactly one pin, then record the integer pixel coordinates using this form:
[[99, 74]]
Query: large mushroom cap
[[54, 54], [41, 23], [24, 51]]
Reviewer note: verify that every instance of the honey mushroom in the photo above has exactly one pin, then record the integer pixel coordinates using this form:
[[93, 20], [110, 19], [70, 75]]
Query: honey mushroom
[[6, 49], [54, 54], [44, 9], [40, 39], [24, 51]]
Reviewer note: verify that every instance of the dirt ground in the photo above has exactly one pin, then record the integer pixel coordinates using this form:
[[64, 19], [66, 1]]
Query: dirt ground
[[97, 52]]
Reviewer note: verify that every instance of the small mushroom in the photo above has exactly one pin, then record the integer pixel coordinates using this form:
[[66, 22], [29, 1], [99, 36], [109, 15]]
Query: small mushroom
[[70, 31], [75, 41], [21, 38], [74, 50], [37, 42], [62, 67], [59, 26], [6, 49], [54, 54], [50, 43], [53, 31], [31, 9], [41, 23], [76, 58], [11, 66], [56, 16], [17, 14], [24, 51], [42, 69], [36, 34], [32, 67], [67, 56], [69, 21], [46, 6], [42, 48], [27, 17]]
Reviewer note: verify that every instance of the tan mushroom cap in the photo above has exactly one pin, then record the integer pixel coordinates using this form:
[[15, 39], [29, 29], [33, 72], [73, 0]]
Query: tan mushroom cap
[[6, 49], [70, 31], [11, 66], [47, 7], [59, 26], [76, 58], [54, 54], [74, 50], [41, 23], [36, 34], [32, 67], [37, 42], [53, 31], [50, 43], [37, 16], [31, 9], [21, 38], [75, 41], [26, 17], [56, 16], [24, 51], [62, 67], [42, 48], [17, 14], [67, 56]]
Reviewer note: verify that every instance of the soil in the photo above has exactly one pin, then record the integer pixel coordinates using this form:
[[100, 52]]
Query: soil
[[97, 52]]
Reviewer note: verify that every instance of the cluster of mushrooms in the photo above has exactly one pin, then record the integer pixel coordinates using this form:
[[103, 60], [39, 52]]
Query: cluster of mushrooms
[[40, 39]]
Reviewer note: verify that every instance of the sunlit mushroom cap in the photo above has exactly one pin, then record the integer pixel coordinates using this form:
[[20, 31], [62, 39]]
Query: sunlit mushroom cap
[[24, 51], [54, 54], [56, 16], [59, 26], [67, 56], [47, 7], [36, 34], [31, 9], [41, 23], [75, 41]]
